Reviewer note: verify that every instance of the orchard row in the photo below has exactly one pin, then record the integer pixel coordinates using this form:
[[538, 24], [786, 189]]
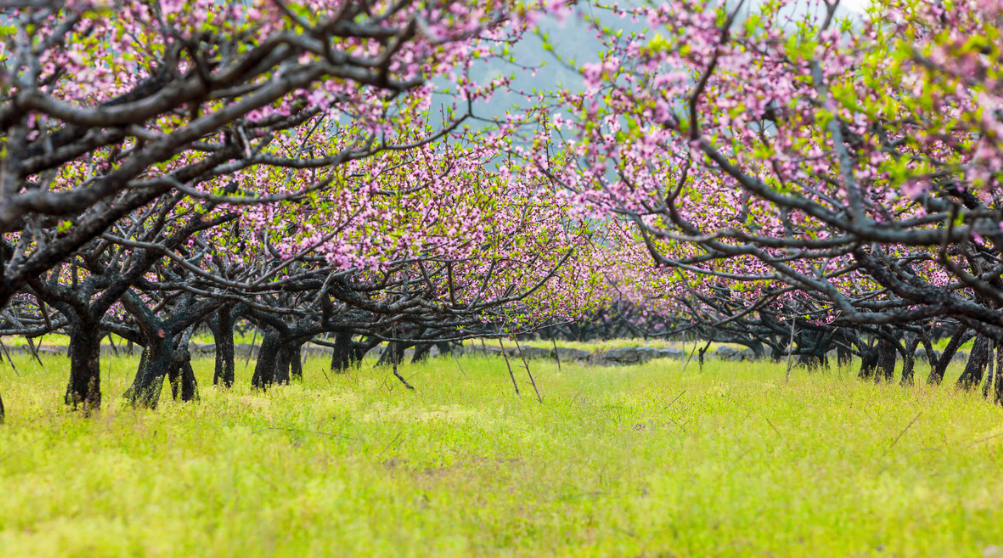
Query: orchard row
[[787, 176]]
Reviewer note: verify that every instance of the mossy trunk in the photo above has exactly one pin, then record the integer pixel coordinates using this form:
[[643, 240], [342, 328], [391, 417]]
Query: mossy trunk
[[975, 368], [84, 351]]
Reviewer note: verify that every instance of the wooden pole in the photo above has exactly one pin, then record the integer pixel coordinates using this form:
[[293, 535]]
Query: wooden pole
[[528, 373], [790, 350], [510, 373]]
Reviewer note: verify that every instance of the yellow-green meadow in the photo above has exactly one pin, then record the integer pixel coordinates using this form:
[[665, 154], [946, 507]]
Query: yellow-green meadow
[[649, 460]]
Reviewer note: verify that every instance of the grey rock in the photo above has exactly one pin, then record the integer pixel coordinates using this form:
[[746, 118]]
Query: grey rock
[[245, 350], [202, 349], [741, 355], [568, 355], [725, 353], [629, 355], [535, 352], [479, 349], [647, 353], [674, 354]]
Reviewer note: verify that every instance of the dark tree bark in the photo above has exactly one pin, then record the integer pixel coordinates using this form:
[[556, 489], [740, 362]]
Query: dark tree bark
[[702, 351], [343, 353], [294, 356], [868, 363], [221, 325], [931, 354], [183, 381], [886, 361], [393, 355], [843, 356], [85, 366], [998, 396], [976, 366], [990, 376], [959, 338], [265, 368], [809, 342], [421, 352], [189, 385], [166, 346], [283, 359], [155, 364], [362, 348], [909, 360], [2, 412], [444, 348]]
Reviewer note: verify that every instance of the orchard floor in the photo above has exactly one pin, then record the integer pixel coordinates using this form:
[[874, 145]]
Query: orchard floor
[[631, 461]]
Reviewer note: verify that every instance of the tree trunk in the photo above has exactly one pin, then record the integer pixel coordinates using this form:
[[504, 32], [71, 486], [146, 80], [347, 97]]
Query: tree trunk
[[393, 355], [222, 332], [976, 366], [808, 360], [2, 412], [998, 396], [421, 352], [931, 355], [909, 361], [264, 369], [189, 385], [886, 361], [296, 361], [444, 348], [868, 362], [282, 361], [937, 374], [155, 364], [989, 377], [343, 352], [85, 367], [703, 350], [843, 356], [183, 380]]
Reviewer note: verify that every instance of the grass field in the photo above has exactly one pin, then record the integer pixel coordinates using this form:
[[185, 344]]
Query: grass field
[[630, 461]]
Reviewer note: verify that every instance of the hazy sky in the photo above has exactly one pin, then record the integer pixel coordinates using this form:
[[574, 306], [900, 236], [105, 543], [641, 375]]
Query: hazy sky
[[574, 41]]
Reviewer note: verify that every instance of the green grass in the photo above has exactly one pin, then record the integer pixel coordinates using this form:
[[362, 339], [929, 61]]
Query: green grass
[[607, 344], [629, 461]]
